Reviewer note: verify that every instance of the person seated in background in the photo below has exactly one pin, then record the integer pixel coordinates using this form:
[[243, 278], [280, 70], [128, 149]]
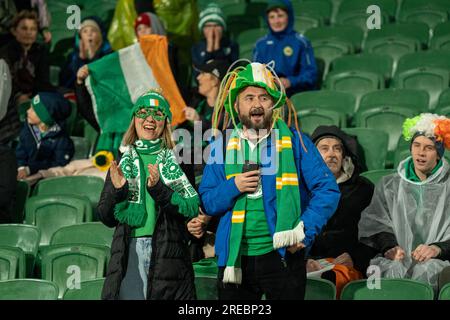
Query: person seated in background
[[40, 7], [215, 45], [292, 52], [90, 44], [29, 68], [408, 219], [338, 240], [43, 142]]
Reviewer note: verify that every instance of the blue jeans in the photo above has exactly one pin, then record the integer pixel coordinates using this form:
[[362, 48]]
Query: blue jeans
[[134, 284]]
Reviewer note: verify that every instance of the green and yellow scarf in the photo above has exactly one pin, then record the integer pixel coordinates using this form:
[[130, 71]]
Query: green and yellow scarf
[[289, 228], [132, 211]]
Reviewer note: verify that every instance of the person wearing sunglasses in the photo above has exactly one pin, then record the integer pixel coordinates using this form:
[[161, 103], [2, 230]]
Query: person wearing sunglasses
[[148, 198]]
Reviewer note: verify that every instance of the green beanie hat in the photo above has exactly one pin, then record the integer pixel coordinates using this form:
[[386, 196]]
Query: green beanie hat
[[258, 75], [41, 111], [212, 13], [153, 100]]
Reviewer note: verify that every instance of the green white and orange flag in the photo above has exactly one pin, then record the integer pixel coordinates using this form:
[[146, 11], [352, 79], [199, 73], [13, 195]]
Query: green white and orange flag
[[117, 80]]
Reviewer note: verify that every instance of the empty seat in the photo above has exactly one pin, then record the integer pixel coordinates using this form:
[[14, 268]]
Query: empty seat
[[89, 186], [325, 99], [303, 23], [418, 31], [51, 212], [89, 290], [322, 9], [85, 233], [12, 263], [432, 80], [358, 19], [25, 237], [429, 15], [374, 145], [406, 98], [248, 38], [389, 289], [319, 289], [375, 175], [443, 107], [432, 59], [444, 293], [68, 265], [325, 51], [349, 34], [387, 6], [82, 147], [28, 289], [441, 37], [310, 119], [377, 63], [402, 152], [355, 82]]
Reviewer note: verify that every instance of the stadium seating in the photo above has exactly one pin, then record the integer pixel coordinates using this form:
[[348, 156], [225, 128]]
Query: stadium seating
[[349, 34], [325, 99], [89, 186], [430, 58], [319, 289], [432, 80], [310, 119], [444, 293], [25, 237], [12, 263], [303, 23], [65, 265], [374, 145], [84, 233], [321, 9], [377, 63], [325, 51], [387, 6], [375, 175], [89, 290], [82, 147], [248, 38], [441, 37], [206, 287], [418, 31], [28, 289], [428, 15], [389, 289], [443, 107]]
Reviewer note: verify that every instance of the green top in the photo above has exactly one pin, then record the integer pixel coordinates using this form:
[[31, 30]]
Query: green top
[[256, 238], [147, 229], [411, 173]]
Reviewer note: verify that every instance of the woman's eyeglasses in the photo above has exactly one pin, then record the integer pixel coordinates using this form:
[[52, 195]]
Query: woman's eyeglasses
[[146, 112]]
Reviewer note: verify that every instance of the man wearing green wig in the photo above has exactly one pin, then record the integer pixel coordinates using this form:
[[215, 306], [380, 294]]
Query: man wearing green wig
[[269, 186]]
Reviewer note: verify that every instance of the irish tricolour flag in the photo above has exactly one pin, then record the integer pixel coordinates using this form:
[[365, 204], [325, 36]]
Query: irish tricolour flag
[[118, 79]]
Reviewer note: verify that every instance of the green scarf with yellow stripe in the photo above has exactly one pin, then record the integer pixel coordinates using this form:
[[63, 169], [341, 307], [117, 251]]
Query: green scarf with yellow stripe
[[289, 228]]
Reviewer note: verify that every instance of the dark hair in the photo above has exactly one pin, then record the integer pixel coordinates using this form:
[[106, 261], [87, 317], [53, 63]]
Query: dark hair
[[24, 14]]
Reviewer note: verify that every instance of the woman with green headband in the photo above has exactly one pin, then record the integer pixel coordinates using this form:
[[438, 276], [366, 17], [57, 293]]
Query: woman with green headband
[[147, 198]]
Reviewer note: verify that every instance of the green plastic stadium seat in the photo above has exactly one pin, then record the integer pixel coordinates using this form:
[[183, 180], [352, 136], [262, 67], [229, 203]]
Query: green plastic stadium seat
[[378, 63], [406, 98], [325, 99], [65, 264], [375, 175], [355, 82], [246, 53], [206, 267], [432, 59], [25, 237], [89, 186], [82, 147], [349, 34], [89, 290], [12, 263], [407, 5], [206, 287], [236, 24], [28, 289], [418, 31], [444, 294], [390, 289], [387, 6], [432, 80], [402, 152], [90, 134], [310, 119], [51, 212], [358, 19], [248, 38], [325, 51], [237, 8], [319, 289], [443, 107], [429, 16], [321, 9], [84, 233], [305, 22], [22, 193], [394, 46], [441, 37], [374, 145]]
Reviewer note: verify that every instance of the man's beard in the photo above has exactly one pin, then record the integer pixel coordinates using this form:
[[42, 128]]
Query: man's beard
[[265, 124]]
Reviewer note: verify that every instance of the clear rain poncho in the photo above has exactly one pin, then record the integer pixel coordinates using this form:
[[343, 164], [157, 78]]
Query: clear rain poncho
[[416, 213]]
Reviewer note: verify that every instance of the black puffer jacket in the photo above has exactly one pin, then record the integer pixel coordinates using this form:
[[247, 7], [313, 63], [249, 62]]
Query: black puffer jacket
[[340, 234], [171, 275]]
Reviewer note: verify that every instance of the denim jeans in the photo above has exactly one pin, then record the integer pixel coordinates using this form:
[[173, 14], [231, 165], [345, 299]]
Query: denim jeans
[[134, 284]]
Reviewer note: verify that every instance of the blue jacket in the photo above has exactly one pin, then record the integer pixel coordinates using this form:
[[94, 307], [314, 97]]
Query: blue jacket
[[292, 53], [55, 148], [319, 192]]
